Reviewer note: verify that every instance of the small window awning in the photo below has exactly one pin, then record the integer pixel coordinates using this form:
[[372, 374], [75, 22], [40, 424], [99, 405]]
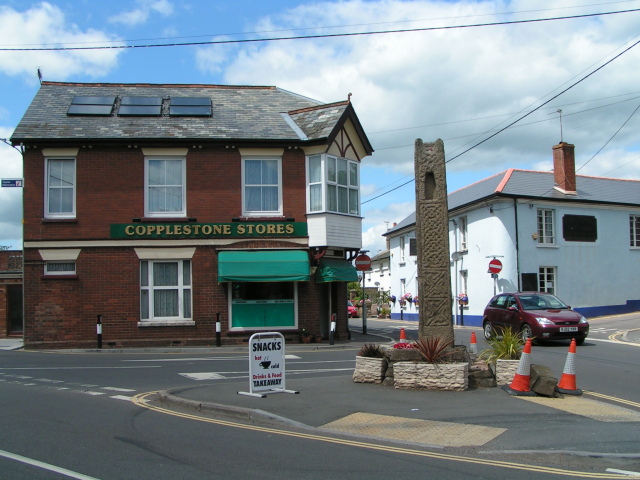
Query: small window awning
[[263, 266], [333, 270]]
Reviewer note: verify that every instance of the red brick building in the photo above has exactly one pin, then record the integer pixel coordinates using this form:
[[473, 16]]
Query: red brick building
[[10, 293], [166, 208]]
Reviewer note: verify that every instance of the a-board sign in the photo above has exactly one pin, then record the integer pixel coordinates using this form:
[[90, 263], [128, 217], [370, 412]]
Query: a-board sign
[[266, 364]]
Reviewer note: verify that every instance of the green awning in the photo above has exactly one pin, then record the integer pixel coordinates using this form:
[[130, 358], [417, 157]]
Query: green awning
[[331, 270], [263, 266]]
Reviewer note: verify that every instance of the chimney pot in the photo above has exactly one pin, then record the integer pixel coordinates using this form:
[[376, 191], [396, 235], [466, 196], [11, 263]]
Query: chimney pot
[[564, 168]]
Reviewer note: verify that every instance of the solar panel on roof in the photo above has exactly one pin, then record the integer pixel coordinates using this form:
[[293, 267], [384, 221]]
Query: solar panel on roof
[[140, 110], [201, 101], [91, 105], [141, 101], [189, 111], [104, 110], [90, 100]]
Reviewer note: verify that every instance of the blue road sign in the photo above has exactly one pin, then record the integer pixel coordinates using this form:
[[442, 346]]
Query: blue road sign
[[12, 182]]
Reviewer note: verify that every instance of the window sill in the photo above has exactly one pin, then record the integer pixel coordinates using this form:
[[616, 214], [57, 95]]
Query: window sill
[[163, 219], [59, 220], [547, 245], [261, 218], [59, 277], [167, 323]]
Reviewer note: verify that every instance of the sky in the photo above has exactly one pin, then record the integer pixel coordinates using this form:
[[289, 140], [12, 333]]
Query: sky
[[500, 82]]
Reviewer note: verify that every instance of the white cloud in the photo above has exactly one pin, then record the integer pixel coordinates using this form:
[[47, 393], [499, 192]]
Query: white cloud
[[456, 84], [460, 85], [141, 14], [45, 25]]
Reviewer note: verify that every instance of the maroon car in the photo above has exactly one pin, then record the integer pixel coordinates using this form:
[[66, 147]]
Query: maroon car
[[537, 315]]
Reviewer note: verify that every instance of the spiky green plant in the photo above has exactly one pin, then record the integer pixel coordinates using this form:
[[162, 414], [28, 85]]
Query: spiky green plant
[[505, 344], [433, 349], [371, 350]]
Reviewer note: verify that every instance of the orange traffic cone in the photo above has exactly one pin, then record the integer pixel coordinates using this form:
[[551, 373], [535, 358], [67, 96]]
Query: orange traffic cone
[[567, 383], [403, 336], [473, 346], [520, 384]]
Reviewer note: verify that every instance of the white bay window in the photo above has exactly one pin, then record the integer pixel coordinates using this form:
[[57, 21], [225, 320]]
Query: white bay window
[[333, 185]]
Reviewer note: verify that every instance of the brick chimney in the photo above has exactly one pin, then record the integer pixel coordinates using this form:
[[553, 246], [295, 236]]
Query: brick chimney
[[564, 168]]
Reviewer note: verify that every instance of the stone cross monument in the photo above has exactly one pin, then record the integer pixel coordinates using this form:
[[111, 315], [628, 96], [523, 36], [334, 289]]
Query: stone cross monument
[[432, 242]]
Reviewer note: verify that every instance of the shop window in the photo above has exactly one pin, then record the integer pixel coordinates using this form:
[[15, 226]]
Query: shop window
[[165, 187], [261, 188], [60, 190], [334, 185], [579, 228], [165, 290], [263, 305]]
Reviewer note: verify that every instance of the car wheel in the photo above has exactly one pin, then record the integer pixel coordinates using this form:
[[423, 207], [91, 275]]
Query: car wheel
[[526, 332], [580, 341], [488, 330]]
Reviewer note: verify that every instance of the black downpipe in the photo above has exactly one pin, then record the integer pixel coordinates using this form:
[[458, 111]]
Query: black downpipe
[[515, 210]]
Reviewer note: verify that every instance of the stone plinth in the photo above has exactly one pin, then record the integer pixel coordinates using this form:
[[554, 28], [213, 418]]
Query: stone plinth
[[431, 376], [369, 370]]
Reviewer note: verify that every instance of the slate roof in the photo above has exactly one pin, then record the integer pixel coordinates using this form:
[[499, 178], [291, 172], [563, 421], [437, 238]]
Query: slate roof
[[239, 113], [529, 184]]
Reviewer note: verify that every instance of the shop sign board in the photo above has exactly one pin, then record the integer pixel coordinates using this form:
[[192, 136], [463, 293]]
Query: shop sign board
[[266, 364], [185, 230]]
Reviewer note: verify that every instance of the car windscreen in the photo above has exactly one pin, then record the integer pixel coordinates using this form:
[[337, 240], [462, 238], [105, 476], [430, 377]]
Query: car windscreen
[[541, 302]]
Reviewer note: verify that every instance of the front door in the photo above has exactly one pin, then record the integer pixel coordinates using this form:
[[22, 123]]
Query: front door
[[14, 308]]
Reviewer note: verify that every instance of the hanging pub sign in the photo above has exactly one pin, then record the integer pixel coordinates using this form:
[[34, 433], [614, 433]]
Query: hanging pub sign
[[266, 365]]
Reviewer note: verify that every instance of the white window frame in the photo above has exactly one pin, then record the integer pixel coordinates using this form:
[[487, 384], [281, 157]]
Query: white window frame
[[462, 226], [403, 257], [634, 231], [162, 214], [544, 236], [183, 285], [48, 187], [262, 213], [352, 185], [65, 267], [547, 279]]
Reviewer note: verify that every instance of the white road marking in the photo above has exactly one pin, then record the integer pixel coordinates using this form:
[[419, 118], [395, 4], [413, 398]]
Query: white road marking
[[121, 397], [89, 392], [46, 466], [115, 389], [203, 376], [623, 472]]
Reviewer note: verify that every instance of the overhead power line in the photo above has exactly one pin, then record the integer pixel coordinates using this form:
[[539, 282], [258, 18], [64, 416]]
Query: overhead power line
[[526, 115], [305, 37]]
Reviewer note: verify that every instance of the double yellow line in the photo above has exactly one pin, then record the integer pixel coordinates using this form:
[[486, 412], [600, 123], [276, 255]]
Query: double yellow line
[[142, 401]]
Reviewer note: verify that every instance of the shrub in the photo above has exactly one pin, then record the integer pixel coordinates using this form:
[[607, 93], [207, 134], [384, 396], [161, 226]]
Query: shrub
[[371, 350], [503, 345], [433, 349]]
